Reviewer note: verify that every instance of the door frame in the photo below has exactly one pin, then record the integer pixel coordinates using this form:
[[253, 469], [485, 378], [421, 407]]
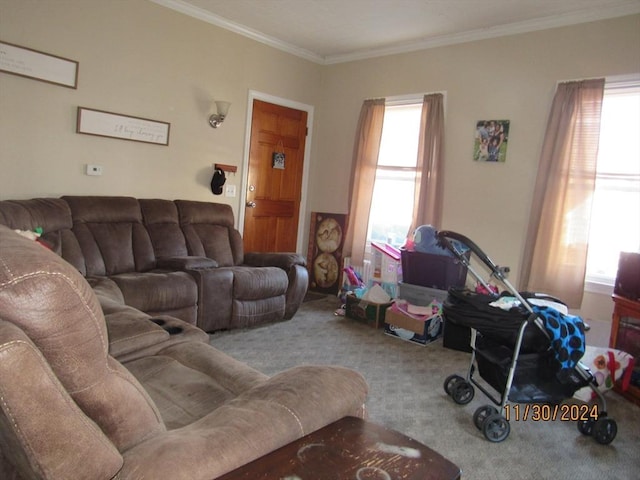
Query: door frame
[[265, 97]]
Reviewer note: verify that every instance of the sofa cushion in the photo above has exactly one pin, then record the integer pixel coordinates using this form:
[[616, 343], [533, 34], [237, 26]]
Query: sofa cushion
[[209, 231], [50, 214], [53, 216], [132, 333], [111, 234], [189, 381], [158, 293], [210, 241], [162, 222]]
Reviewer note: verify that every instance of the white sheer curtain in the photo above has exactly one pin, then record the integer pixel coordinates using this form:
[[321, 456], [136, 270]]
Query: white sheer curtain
[[554, 259]]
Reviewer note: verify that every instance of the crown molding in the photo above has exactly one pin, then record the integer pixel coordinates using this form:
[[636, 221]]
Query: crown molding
[[546, 23], [630, 8], [206, 16]]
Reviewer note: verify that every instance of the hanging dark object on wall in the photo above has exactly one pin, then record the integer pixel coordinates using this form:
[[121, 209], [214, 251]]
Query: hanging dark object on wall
[[278, 156], [218, 181]]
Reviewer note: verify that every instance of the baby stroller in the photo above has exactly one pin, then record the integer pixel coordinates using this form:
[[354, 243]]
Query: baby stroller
[[515, 346]]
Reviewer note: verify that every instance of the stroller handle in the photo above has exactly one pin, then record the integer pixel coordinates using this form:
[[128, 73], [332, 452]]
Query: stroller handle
[[445, 236]]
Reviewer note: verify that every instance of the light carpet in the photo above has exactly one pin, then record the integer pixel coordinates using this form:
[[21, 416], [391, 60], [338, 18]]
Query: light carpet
[[406, 394]]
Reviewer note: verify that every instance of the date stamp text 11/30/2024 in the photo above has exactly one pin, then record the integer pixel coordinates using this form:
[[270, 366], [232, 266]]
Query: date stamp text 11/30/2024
[[545, 412]]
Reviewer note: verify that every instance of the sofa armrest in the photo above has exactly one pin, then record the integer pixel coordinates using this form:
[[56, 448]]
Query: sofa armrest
[[298, 285], [37, 413], [296, 267], [215, 297], [276, 259], [186, 263]]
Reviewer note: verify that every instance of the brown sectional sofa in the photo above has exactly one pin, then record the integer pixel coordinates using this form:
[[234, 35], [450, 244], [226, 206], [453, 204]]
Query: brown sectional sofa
[[170, 406], [179, 258]]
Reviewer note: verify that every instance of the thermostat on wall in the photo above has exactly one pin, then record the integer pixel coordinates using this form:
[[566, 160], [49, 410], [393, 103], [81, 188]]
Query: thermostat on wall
[[94, 170]]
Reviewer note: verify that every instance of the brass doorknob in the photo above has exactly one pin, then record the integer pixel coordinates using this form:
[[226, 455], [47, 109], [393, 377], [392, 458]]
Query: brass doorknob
[[251, 204]]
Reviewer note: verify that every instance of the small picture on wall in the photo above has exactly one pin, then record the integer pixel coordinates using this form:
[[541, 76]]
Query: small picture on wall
[[491, 141]]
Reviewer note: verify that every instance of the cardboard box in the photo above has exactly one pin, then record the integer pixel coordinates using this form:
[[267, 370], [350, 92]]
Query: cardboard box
[[364, 311], [390, 288], [455, 337], [402, 326]]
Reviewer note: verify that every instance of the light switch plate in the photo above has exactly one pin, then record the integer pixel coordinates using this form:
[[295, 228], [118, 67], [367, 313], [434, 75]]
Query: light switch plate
[[230, 191]]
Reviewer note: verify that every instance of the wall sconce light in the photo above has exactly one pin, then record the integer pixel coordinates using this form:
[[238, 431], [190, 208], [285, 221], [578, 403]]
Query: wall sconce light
[[217, 118]]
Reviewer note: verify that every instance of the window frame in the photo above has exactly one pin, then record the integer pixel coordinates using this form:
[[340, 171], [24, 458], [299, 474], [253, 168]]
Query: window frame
[[397, 101], [602, 284]]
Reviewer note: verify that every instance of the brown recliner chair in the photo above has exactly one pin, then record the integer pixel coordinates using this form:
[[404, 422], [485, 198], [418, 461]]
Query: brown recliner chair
[[70, 410]]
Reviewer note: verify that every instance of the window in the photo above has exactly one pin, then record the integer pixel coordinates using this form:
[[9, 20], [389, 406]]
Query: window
[[615, 216], [392, 203]]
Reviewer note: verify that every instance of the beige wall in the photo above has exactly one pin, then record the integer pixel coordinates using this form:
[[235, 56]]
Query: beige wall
[[510, 78], [142, 59]]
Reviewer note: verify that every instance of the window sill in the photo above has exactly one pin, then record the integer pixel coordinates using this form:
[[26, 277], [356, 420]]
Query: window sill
[[600, 287]]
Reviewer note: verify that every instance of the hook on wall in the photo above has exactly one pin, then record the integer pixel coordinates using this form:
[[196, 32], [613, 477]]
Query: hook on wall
[[225, 168]]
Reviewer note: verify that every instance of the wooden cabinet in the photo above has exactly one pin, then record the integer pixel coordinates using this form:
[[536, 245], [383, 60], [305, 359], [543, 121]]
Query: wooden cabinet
[[625, 336]]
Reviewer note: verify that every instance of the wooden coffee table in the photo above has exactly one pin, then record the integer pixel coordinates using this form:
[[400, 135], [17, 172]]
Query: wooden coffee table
[[353, 449]]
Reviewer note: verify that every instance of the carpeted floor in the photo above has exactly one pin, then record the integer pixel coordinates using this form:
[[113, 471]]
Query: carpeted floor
[[406, 394]]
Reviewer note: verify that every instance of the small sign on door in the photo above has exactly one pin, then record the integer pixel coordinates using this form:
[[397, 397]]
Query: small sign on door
[[278, 160]]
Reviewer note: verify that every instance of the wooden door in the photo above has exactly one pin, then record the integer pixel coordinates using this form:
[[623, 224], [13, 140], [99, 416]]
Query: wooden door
[[274, 185]]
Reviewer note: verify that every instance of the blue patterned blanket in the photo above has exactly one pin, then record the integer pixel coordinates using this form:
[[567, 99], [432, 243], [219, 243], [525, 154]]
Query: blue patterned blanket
[[567, 335]]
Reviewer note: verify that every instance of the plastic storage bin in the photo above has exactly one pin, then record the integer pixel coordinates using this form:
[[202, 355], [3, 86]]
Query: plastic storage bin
[[433, 271]]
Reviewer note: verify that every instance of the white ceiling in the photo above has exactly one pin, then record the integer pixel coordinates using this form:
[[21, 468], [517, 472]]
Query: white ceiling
[[333, 31]]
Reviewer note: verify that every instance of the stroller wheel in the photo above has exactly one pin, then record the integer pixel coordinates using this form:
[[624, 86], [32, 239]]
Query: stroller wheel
[[462, 392], [605, 430], [450, 382], [585, 426], [496, 428], [481, 414]]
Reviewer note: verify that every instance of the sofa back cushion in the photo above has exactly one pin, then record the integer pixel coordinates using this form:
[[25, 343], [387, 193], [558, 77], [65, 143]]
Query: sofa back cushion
[[50, 214], [55, 307], [162, 222], [210, 232], [53, 216], [111, 234]]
